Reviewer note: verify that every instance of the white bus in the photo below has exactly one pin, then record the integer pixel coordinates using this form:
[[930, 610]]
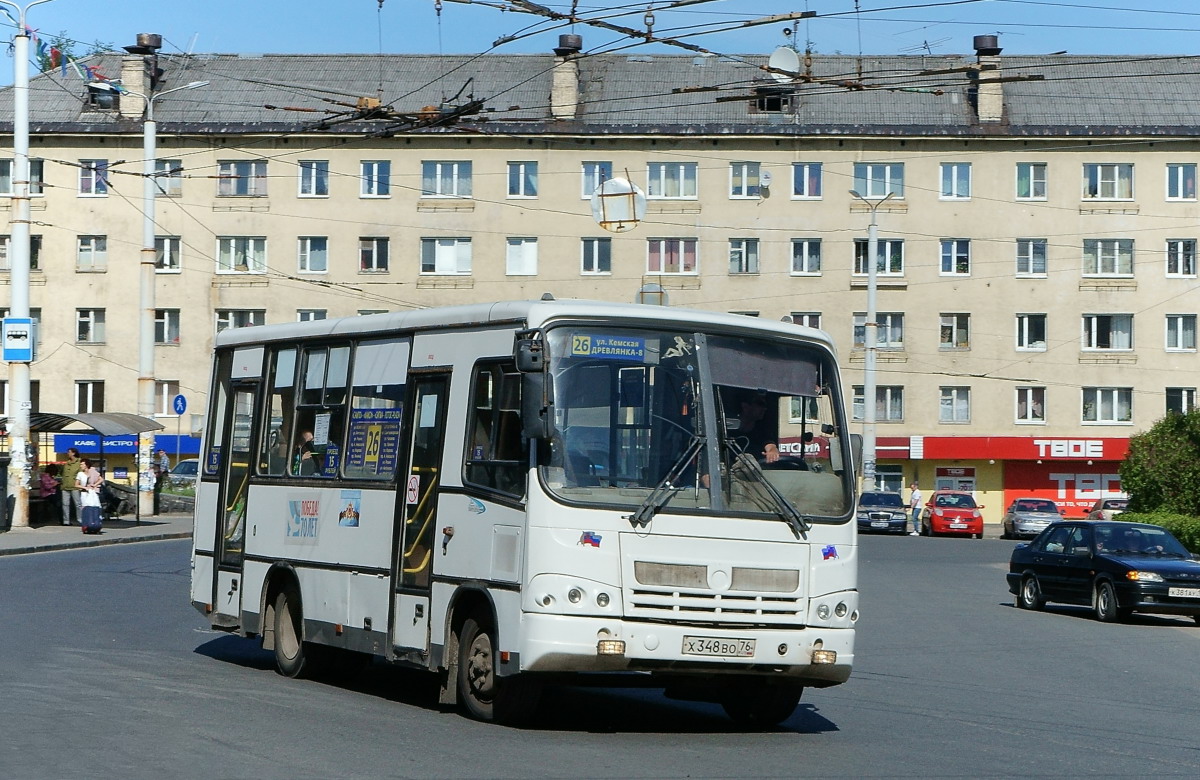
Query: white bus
[[514, 493]]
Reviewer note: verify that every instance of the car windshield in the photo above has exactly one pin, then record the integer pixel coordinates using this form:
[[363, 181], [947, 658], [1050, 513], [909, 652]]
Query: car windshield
[[1116, 503], [630, 403], [185, 468], [1138, 540], [1037, 506], [955, 500], [880, 499]]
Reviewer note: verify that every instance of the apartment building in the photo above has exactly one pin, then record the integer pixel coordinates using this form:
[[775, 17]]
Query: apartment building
[[1037, 256]]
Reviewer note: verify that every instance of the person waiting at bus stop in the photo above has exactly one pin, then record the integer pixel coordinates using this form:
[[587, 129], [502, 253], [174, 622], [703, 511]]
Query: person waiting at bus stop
[[70, 490], [162, 468]]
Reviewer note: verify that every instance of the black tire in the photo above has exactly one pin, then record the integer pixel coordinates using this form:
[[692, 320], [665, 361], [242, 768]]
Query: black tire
[[1107, 610], [290, 660], [1030, 596], [1196, 619], [484, 694], [927, 529], [762, 706], [1004, 532]]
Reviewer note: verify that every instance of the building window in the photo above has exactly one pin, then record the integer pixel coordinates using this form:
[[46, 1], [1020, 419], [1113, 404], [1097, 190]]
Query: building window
[[1031, 257], [242, 178], [743, 180], [876, 180], [241, 254], [91, 254], [522, 180], [889, 260], [1181, 332], [166, 253], [955, 331], [954, 405], [89, 326], [1181, 400], [596, 256], [168, 178], [89, 397], [373, 254], [743, 256], [366, 312], [310, 315], [521, 257], [314, 179], [239, 318], [956, 181], [376, 179], [595, 173], [1107, 404], [1181, 257], [806, 180], [164, 396], [166, 326], [671, 256], [806, 256], [889, 403], [1031, 332], [1031, 405], [1108, 181], [1031, 181], [1108, 257], [956, 257], [312, 254], [35, 394], [450, 256], [809, 319], [1181, 181], [446, 179], [671, 180], [889, 331], [36, 184], [35, 253], [93, 178], [1108, 331]]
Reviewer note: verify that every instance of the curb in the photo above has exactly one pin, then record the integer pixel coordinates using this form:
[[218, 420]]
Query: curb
[[76, 545]]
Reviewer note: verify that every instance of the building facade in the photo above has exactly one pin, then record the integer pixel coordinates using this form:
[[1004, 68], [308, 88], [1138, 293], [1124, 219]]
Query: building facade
[[1037, 249]]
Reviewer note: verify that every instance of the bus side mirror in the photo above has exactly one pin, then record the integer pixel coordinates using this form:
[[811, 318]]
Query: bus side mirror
[[530, 356], [537, 416], [856, 449]]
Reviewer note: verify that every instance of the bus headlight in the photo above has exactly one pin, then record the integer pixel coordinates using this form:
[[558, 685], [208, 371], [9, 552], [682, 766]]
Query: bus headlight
[[602, 599], [823, 612], [574, 595]]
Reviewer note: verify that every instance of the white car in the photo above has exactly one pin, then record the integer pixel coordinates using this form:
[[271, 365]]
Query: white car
[[1107, 508], [184, 473]]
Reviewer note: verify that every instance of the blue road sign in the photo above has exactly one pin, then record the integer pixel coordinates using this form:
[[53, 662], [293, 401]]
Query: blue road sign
[[179, 404]]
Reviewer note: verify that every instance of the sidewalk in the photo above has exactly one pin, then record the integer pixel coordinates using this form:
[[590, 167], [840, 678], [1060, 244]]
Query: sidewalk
[[45, 538]]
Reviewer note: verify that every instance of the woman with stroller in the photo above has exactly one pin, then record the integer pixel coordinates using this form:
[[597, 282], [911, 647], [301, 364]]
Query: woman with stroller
[[90, 482]]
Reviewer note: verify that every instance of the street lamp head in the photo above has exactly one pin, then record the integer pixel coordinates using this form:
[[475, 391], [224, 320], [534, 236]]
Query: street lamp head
[[855, 194]]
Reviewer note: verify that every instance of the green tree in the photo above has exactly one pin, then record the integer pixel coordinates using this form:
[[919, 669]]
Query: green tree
[[1161, 473]]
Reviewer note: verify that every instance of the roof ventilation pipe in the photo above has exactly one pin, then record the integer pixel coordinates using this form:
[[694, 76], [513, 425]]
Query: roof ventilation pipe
[[564, 85], [989, 91], [139, 74]]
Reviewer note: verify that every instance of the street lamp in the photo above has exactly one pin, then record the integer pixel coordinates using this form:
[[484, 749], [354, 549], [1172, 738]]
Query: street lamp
[[146, 395], [18, 367], [870, 328]]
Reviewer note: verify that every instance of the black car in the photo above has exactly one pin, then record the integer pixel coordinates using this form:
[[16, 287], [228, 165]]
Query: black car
[[1115, 568], [881, 510]]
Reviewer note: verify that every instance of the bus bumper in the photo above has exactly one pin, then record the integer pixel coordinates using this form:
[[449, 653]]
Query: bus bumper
[[560, 643]]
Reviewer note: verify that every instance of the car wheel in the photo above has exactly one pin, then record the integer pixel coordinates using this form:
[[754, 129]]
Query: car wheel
[[1106, 603], [1004, 532], [485, 694], [926, 528], [1196, 618], [1030, 596]]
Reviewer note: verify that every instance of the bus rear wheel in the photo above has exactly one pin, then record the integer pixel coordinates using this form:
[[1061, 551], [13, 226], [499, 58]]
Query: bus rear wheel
[[486, 695], [292, 653], [762, 706]]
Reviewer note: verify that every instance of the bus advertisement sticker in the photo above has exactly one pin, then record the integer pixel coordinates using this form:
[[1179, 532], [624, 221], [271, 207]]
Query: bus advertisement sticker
[[352, 500], [302, 525]]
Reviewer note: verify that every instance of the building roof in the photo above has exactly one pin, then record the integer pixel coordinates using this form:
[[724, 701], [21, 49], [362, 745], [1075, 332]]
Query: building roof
[[638, 93]]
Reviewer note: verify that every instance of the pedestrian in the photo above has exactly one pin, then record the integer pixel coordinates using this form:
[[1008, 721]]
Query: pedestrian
[[162, 468], [914, 504], [48, 491], [70, 488], [89, 482]]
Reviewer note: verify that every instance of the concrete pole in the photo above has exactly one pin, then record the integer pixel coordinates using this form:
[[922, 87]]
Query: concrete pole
[[145, 393], [18, 372]]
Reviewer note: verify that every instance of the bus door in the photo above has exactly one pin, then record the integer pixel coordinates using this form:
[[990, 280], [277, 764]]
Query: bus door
[[236, 460], [425, 419]]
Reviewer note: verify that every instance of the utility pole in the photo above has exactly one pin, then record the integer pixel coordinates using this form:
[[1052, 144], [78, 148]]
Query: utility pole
[[18, 311]]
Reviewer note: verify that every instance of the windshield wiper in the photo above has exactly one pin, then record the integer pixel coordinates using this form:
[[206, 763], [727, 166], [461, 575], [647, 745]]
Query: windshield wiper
[[666, 488], [785, 508]]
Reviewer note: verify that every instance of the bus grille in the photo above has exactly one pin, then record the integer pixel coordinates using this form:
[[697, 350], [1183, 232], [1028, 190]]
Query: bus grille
[[711, 607]]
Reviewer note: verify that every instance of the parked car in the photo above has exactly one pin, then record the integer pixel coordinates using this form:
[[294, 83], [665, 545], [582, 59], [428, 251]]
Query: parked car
[[1108, 508], [1113, 567], [883, 511], [1028, 517], [184, 473], [952, 512]]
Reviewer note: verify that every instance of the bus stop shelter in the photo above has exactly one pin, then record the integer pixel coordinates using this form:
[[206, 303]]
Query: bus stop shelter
[[103, 425]]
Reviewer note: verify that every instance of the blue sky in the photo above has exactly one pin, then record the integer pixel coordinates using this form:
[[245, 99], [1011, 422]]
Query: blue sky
[[912, 26]]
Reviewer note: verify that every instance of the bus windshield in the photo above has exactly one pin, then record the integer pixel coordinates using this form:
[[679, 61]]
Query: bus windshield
[[713, 423]]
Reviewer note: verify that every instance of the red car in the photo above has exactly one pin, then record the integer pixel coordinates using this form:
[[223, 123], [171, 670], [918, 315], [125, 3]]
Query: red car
[[952, 512]]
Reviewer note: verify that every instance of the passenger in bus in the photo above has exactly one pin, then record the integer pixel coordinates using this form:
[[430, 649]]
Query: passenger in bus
[[310, 461]]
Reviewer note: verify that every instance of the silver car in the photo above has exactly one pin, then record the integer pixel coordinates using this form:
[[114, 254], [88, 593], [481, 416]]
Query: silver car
[[1026, 517]]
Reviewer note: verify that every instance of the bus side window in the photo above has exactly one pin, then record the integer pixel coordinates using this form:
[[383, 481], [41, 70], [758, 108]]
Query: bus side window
[[495, 456], [274, 449], [321, 414]]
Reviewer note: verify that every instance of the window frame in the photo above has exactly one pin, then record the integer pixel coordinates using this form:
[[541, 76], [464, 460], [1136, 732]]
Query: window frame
[[1181, 253], [375, 179], [429, 251], [959, 398], [953, 185], [1024, 326], [254, 318], [888, 398], [522, 179], [168, 254], [93, 178], [601, 261], [1095, 329], [89, 396], [168, 178], [951, 256], [1034, 180], [1186, 402], [592, 174], [374, 254], [166, 322], [255, 248], [90, 326], [447, 179], [242, 178], [519, 253], [889, 330], [681, 252], [1102, 252], [1182, 328], [95, 247], [1119, 395], [305, 254], [886, 248], [806, 177], [745, 180], [1108, 176], [662, 177], [37, 173], [959, 326], [804, 261], [749, 257], [1182, 177], [1029, 258], [870, 185], [1035, 405], [312, 178]]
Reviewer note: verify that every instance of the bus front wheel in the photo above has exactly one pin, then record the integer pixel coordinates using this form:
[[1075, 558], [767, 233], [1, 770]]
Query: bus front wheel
[[762, 706], [486, 695]]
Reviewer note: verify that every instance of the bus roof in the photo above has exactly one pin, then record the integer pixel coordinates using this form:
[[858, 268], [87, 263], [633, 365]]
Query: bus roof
[[530, 313]]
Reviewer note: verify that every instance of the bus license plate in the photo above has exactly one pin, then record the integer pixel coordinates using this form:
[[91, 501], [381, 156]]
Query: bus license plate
[[718, 646], [1184, 593]]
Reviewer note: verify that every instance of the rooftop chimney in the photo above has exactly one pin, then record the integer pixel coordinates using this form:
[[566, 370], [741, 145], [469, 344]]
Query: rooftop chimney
[[139, 72], [564, 85], [989, 92]]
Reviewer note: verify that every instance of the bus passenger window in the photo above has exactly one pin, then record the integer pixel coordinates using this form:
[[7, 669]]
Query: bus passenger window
[[321, 414], [377, 391], [496, 457], [274, 446]]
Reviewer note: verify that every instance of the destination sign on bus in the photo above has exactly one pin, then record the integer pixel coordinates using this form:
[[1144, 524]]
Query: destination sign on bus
[[609, 347]]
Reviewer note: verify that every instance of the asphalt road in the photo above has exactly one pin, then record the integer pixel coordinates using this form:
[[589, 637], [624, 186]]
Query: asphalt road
[[108, 673]]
